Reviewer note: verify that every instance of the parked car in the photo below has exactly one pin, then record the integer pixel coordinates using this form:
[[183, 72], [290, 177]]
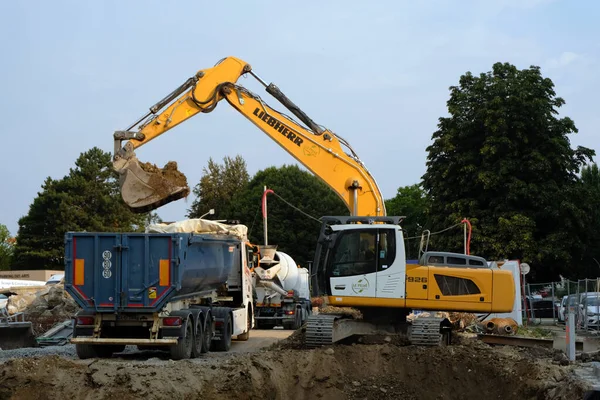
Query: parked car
[[572, 301], [590, 311], [54, 279]]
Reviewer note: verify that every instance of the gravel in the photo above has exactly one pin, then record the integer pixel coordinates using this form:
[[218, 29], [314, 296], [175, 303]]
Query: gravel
[[67, 351]]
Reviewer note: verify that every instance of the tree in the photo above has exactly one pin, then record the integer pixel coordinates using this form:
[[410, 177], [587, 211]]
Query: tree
[[218, 185], [87, 199], [299, 198], [411, 202], [503, 159], [6, 248], [590, 179]]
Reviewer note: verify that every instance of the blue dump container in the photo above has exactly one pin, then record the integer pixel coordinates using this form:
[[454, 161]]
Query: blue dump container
[[141, 272]]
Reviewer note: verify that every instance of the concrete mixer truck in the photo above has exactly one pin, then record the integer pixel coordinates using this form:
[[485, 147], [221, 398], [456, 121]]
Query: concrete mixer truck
[[282, 291]]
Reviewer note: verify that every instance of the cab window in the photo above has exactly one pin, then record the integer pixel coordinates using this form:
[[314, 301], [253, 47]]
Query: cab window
[[354, 253], [386, 249]]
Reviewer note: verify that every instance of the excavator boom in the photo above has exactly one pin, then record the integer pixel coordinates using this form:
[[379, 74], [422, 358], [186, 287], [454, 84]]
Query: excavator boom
[[331, 158]]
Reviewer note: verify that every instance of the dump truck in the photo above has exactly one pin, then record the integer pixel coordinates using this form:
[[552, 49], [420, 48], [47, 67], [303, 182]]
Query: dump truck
[[282, 290], [184, 292]]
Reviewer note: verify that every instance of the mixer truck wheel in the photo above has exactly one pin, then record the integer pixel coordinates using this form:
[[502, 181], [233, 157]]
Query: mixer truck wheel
[[297, 319], [183, 349]]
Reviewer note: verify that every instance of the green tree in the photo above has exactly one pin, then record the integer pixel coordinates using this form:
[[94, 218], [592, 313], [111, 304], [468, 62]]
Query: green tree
[[590, 179], [87, 199], [6, 248], [299, 198], [411, 202], [217, 187], [503, 159]]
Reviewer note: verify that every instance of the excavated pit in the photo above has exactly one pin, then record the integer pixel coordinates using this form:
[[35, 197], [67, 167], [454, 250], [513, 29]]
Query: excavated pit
[[383, 371]]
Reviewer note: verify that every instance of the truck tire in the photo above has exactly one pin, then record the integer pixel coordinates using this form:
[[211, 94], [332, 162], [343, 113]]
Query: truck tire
[[227, 329], [85, 351], [183, 349], [95, 350], [208, 334], [245, 336], [198, 338], [297, 319], [118, 348]]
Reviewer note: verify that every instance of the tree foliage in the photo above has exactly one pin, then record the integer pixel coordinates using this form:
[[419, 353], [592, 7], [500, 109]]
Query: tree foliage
[[87, 199], [218, 185], [6, 248], [411, 202], [503, 159], [292, 230], [590, 198]]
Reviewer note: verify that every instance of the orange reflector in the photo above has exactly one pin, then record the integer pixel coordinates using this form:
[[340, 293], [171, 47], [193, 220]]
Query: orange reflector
[[164, 273], [78, 278]]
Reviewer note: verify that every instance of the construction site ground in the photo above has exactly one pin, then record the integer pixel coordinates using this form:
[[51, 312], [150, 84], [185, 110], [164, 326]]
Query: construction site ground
[[266, 367]]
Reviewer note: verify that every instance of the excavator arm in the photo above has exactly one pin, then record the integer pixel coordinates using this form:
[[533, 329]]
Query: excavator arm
[[324, 153]]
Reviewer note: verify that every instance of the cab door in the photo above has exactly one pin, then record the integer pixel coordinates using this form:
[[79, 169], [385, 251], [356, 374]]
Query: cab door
[[352, 264], [391, 264]]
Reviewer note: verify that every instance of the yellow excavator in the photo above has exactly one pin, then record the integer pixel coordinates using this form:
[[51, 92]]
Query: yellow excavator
[[360, 259]]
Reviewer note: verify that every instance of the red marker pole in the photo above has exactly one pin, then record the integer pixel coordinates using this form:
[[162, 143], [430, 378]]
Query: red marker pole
[[264, 211]]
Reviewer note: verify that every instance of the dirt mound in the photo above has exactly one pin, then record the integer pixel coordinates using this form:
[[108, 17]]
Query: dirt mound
[[471, 371], [165, 179]]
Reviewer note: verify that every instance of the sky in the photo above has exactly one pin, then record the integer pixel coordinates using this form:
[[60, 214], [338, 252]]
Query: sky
[[377, 73]]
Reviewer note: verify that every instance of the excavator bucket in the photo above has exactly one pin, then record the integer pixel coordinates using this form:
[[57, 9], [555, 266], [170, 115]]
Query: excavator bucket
[[145, 187]]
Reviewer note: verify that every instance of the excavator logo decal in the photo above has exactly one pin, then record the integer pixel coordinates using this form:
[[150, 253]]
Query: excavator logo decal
[[278, 126], [360, 286]]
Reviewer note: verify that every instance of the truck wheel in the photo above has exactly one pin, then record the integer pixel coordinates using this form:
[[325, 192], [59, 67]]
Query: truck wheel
[[246, 336], [297, 319], [198, 339], [183, 349], [208, 335], [85, 351], [118, 348], [225, 343]]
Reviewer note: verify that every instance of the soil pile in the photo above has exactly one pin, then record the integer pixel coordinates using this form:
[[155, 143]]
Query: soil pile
[[166, 179], [468, 371]]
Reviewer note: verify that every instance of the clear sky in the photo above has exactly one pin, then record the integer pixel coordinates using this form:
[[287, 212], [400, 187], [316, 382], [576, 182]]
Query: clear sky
[[375, 72]]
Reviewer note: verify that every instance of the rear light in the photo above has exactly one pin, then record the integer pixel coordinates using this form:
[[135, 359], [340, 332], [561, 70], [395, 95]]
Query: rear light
[[172, 321], [218, 323], [290, 293], [290, 312], [85, 321]]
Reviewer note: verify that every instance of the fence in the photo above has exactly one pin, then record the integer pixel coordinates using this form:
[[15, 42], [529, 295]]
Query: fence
[[549, 303]]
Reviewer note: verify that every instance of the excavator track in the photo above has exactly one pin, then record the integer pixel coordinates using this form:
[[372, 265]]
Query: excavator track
[[427, 331], [319, 330], [327, 329]]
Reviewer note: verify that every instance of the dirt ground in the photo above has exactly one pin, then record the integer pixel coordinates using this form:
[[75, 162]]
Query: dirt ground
[[468, 370]]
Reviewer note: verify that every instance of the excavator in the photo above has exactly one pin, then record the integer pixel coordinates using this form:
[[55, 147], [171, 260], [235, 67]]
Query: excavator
[[360, 259]]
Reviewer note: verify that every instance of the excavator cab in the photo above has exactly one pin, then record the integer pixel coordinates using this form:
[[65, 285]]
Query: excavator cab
[[329, 249]]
